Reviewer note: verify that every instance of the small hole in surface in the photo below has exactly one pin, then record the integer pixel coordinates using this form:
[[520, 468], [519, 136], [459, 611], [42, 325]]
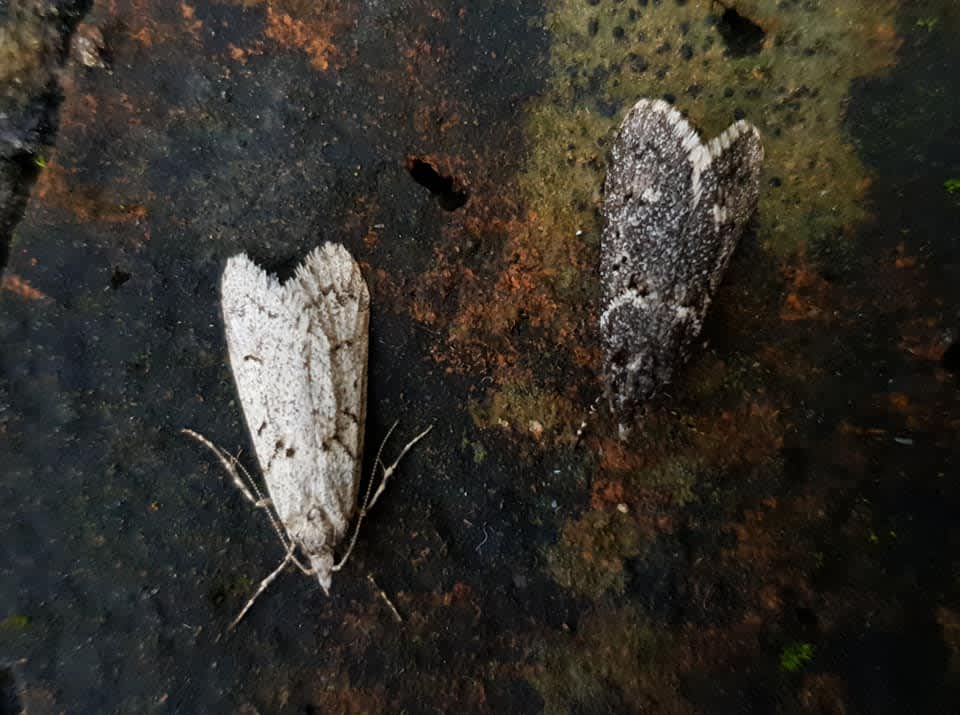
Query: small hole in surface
[[951, 358], [9, 697], [742, 36], [118, 278], [440, 186]]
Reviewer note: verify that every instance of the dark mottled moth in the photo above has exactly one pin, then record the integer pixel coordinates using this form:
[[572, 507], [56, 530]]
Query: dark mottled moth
[[674, 210]]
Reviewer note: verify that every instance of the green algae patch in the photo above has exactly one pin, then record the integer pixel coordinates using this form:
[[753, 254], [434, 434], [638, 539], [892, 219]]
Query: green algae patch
[[24, 48], [15, 622], [795, 656], [676, 476], [524, 408], [592, 551], [616, 662], [792, 86]]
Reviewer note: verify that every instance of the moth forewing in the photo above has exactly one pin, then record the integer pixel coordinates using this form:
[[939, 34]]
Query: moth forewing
[[674, 210]]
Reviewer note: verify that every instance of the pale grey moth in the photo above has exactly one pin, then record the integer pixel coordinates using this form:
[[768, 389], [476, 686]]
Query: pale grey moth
[[674, 210], [298, 353]]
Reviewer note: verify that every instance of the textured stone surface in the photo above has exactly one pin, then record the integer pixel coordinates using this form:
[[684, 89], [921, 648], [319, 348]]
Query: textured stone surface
[[766, 506]]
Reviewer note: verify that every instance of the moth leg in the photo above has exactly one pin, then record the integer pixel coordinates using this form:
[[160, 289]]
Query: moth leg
[[368, 500], [263, 585], [388, 471]]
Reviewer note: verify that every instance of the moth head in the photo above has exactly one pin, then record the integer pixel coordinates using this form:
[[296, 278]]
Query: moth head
[[316, 536]]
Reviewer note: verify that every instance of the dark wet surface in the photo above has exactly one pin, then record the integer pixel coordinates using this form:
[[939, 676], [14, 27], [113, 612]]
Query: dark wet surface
[[780, 535]]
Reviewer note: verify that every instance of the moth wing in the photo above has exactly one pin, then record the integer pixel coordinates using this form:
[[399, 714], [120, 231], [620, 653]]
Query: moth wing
[[284, 380], [728, 175], [647, 198], [335, 296]]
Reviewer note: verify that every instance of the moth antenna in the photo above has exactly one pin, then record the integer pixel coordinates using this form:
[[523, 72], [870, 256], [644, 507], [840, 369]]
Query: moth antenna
[[274, 518], [263, 585], [230, 464], [366, 497], [369, 501]]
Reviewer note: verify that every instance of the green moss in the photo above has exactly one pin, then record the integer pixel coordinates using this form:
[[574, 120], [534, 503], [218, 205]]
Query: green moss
[[15, 622], [795, 656], [952, 186], [676, 475], [525, 408], [479, 451], [591, 553]]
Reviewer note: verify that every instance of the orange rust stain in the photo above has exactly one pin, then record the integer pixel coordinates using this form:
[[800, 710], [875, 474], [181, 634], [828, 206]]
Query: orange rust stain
[[237, 54], [461, 593], [903, 260], [606, 494], [923, 338], [889, 42], [314, 37], [144, 36], [824, 694], [899, 402], [846, 428], [917, 416], [616, 457], [56, 189], [751, 435], [808, 293], [193, 24], [771, 545], [19, 287], [141, 21], [442, 117]]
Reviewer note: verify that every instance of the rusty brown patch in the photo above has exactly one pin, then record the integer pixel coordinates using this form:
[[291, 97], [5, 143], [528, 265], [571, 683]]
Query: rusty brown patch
[[824, 694], [57, 188], [924, 338], [193, 24], [616, 457], [151, 22], [309, 28], [949, 621], [606, 494], [16, 285], [808, 293], [750, 434], [773, 548]]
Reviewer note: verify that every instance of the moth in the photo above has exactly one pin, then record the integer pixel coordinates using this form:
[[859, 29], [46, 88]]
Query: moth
[[298, 354], [674, 209]]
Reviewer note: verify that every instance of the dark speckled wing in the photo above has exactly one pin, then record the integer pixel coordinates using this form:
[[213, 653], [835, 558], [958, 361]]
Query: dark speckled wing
[[674, 211], [646, 199]]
